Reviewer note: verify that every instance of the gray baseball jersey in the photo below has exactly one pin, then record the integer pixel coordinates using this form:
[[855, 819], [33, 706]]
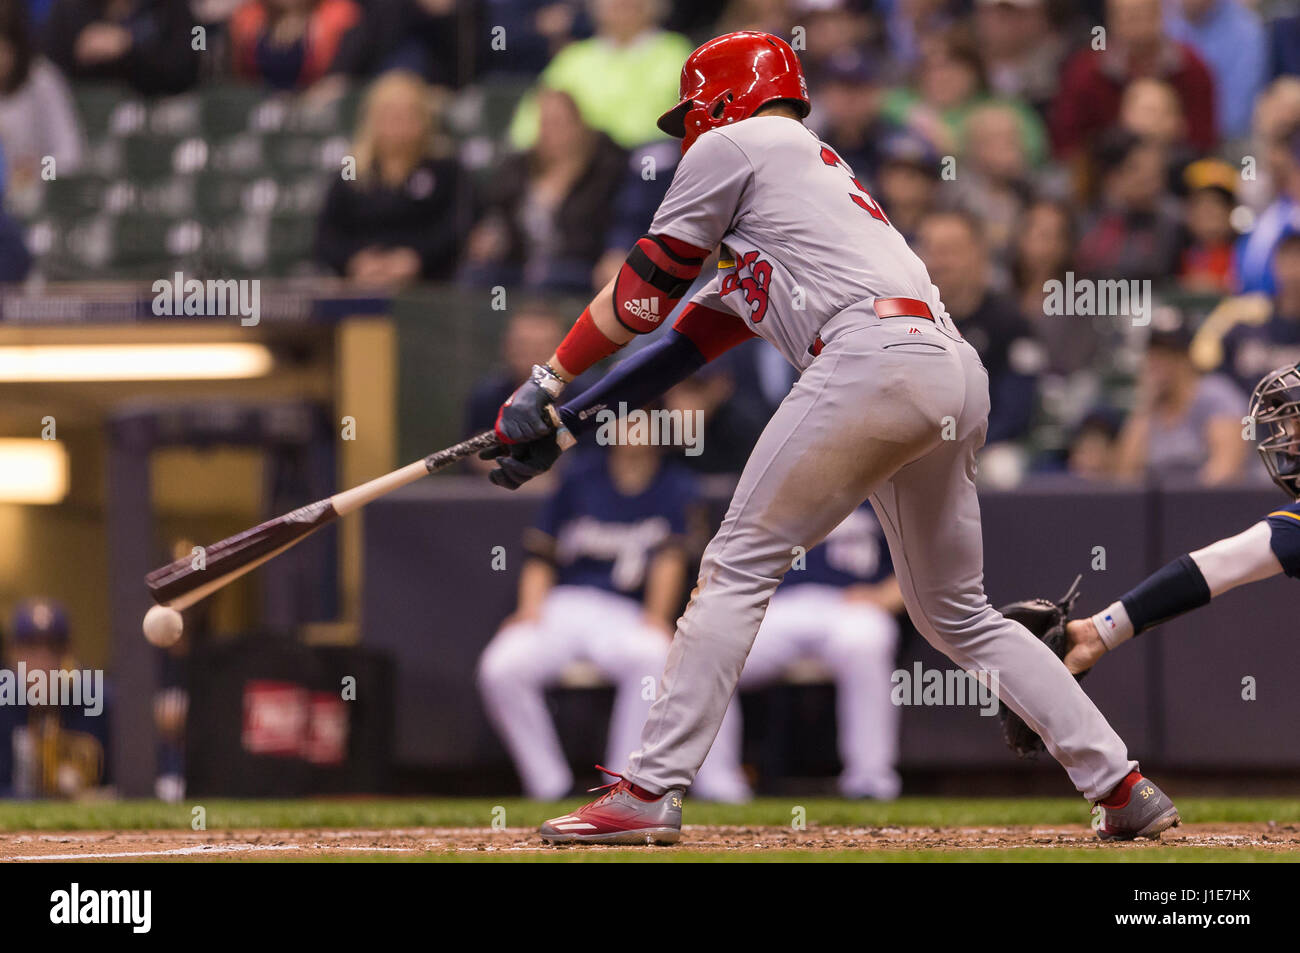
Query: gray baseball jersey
[[801, 238]]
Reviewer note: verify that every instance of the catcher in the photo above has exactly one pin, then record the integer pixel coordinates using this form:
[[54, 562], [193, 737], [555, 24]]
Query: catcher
[[1267, 548]]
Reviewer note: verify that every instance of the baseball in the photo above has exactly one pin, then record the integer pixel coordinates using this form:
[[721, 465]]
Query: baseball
[[162, 626]]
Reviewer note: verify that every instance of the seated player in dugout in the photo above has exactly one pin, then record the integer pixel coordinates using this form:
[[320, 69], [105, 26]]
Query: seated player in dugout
[[891, 405], [604, 580], [1267, 548], [48, 749]]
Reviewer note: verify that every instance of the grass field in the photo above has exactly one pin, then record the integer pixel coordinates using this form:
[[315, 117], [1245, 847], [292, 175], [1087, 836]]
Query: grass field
[[474, 812], [907, 830]]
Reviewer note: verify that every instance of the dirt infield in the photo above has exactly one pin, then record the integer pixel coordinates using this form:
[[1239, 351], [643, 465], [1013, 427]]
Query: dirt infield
[[303, 844]]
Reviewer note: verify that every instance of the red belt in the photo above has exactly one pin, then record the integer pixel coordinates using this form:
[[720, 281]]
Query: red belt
[[888, 308]]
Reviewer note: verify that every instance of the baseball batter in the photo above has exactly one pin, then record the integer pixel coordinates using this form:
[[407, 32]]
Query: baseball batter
[[891, 405]]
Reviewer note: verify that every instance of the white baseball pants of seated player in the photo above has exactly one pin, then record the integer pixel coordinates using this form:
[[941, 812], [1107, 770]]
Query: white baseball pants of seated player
[[583, 624], [857, 642], [893, 410]]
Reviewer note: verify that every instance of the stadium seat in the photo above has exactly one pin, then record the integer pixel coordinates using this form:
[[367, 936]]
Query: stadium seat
[[104, 108], [151, 157], [225, 110]]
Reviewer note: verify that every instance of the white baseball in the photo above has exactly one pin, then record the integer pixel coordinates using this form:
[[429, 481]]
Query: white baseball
[[162, 626]]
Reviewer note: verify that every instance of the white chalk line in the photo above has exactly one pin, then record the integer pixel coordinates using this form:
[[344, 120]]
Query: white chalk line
[[204, 849]]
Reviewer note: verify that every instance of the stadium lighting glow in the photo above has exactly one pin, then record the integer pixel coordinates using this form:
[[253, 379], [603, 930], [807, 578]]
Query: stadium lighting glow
[[134, 362], [32, 471]]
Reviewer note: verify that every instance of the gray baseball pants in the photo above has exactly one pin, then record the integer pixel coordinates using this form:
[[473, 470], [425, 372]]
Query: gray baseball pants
[[893, 410]]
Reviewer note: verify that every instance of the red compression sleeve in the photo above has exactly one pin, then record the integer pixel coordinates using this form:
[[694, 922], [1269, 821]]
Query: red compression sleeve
[[713, 332], [584, 346]]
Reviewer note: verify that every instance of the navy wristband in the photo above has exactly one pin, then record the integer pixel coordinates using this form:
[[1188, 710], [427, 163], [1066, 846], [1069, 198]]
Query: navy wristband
[[1168, 592]]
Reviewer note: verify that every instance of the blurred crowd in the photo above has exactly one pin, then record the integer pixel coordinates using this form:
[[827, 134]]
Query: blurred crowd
[[1020, 145]]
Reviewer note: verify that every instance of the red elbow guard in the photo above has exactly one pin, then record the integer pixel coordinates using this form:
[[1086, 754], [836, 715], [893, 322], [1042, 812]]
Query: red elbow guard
[[656, 275], [584, 345]]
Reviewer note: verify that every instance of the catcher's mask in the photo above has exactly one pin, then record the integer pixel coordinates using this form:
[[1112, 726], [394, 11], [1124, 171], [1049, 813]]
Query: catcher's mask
[[730, 78], [1275, 408]]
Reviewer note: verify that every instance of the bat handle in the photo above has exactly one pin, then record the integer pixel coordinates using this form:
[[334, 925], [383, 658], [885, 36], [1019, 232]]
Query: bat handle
[[562, 435]]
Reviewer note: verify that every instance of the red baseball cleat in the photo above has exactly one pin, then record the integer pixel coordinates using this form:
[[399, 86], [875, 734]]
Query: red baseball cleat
[[624, 814], [1136, 808]]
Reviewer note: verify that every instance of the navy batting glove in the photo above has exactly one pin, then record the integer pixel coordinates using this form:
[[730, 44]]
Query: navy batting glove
[[520, 462], [524, 416]]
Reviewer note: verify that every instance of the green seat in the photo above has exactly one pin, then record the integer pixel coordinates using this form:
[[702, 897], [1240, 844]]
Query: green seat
[[296, 152], [302, 194], [219, 194], [81, 249], [150, 157], [173, 197], [105, 247], [500, 99], [349, 110], [180, 115], [46, 239], [100, 106], [76, 196], [225, 109], [238, 244], [308, 115], [292, 238], [139, 238], [243, 154], [104, 157]]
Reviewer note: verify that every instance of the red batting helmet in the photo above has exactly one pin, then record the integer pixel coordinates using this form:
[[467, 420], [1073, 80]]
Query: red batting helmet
[[729, 78]]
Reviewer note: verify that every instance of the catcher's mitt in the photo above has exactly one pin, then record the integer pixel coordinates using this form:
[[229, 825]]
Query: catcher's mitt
[[1047, 621]]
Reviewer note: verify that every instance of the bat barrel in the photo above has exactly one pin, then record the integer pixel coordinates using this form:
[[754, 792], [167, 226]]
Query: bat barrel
[[235, 555]]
